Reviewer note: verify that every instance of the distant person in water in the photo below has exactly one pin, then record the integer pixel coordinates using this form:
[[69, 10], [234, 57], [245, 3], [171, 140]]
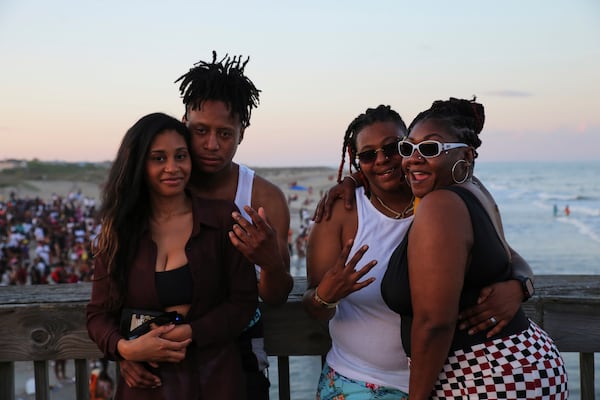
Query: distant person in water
[[567, 210], [555, 210]]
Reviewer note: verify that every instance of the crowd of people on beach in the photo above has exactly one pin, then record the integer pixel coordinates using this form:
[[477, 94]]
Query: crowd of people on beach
[[46, 241]]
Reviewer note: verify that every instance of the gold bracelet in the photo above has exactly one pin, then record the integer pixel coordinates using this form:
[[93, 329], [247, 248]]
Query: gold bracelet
[[324, 303]]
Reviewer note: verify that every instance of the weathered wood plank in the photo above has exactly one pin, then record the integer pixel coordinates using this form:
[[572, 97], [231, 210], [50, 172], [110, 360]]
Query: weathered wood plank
[[289, 331], [47, 322], [574, 327], [44, 332]]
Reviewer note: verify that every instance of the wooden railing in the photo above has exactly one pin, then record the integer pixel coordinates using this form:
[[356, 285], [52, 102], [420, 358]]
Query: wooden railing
[[47, 322]]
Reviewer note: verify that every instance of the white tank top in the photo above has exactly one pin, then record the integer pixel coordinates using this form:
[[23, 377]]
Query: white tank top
[[366, 344], [243, 197], [243, 193]]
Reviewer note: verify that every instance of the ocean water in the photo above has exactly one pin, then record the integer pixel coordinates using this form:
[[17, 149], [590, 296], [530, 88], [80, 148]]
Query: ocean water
[[552, 243]]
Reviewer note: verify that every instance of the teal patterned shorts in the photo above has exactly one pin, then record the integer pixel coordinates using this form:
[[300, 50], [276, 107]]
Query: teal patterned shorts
[[333, 386]]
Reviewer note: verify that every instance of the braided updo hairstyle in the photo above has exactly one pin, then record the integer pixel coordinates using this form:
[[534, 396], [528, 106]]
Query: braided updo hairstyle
[[372, 115], [464, 118], [222, 80]]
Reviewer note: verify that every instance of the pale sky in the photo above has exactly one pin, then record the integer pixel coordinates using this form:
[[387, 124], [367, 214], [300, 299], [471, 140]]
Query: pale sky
[[75, 75]]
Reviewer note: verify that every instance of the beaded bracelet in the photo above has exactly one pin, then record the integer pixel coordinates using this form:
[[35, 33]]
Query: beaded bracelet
[[323, 303]]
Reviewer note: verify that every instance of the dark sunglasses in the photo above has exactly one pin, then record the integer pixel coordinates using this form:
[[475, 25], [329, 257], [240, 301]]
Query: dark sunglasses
[[369, 156], [427, 148]]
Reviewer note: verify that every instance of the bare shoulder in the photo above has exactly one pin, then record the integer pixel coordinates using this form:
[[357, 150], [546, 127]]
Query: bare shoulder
[[341, 217], [442, 216], [479, 189], [439, 198], [483, 195], [266, 194], [441, 205], [270, 197]]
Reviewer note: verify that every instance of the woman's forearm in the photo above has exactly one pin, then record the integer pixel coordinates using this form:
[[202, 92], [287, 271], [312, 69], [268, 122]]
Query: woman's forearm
[[430, 343]]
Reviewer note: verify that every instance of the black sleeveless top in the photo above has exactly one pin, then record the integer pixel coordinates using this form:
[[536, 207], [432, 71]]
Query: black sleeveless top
[[489, 264], [175, 286]]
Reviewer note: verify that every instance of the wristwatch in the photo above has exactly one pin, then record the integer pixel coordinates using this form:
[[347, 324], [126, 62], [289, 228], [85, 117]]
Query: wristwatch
[[527, 286]]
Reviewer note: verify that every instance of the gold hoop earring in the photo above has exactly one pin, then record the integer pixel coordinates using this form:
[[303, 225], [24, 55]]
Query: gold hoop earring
[[466, 175]]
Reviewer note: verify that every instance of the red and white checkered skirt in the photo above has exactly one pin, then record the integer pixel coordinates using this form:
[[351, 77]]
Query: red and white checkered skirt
[[522, 366]]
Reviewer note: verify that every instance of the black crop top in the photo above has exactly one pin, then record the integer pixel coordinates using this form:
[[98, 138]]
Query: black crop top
[[489, 264], [175, 286]]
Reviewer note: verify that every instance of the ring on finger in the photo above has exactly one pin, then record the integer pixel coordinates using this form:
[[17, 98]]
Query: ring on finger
[[493, 320]]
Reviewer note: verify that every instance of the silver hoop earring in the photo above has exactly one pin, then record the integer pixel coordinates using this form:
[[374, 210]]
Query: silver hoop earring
[[466, 175]]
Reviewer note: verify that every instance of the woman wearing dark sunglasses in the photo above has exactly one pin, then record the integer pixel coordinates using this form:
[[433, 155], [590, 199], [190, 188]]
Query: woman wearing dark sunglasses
[[451, 252], [366, 358]]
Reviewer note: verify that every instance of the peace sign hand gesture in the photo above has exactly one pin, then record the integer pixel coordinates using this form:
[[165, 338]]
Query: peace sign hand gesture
[[343, 279]]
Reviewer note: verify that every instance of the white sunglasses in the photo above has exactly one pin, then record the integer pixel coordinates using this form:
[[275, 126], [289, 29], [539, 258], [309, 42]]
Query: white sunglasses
[[427, 148]]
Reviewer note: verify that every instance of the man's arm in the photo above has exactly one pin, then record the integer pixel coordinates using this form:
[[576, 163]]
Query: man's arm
[[503, 299], [520, 266], [263, 240], [343, 190]]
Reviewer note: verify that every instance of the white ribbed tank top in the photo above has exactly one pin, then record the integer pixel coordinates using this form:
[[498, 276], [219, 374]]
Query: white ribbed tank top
[[365, 333]]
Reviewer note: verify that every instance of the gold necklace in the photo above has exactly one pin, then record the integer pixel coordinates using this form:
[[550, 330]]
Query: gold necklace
[[397, 215]]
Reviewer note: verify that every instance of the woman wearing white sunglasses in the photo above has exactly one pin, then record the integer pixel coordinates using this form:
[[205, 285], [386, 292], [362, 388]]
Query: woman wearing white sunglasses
[[451, 252]]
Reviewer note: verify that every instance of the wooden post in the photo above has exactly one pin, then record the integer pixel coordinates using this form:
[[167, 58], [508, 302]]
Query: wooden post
[[82, 377], [7, 380], [283, 368], [586, 377], [42, 380]]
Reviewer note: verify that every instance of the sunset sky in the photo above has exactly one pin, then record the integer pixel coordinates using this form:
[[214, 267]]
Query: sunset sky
[[75, 75]]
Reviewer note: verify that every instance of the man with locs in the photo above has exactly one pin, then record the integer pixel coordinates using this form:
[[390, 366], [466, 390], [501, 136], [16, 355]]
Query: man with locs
[[218, 101]]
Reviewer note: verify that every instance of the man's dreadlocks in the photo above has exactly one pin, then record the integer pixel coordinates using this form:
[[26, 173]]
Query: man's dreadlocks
[[222, 80]]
